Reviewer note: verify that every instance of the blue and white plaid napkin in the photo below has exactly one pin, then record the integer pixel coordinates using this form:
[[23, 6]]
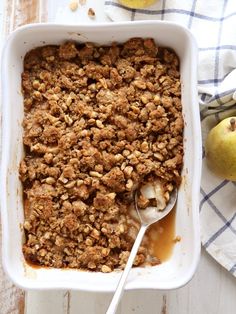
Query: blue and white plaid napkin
[[213, 24]]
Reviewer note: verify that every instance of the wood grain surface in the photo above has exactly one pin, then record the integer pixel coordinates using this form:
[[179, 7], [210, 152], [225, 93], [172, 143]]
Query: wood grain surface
[[211, 291], [13, 14]]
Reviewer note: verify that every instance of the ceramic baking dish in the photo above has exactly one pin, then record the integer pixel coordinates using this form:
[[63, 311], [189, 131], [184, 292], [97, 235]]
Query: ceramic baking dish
[[179, 269]]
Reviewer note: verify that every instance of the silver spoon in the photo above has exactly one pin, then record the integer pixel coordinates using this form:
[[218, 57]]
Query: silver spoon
[[147, 216]]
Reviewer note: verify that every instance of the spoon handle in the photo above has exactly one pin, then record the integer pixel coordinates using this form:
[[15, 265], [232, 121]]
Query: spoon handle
[[120, 287]]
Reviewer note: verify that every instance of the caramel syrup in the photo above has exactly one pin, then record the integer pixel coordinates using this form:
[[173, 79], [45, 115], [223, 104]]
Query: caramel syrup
[[161, 237]]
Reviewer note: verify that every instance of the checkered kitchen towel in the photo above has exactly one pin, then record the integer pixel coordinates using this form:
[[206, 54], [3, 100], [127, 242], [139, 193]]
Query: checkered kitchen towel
[[213, 24]]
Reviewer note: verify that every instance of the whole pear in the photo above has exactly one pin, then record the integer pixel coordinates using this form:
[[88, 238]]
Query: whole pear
[[220, 148], [137, 4]]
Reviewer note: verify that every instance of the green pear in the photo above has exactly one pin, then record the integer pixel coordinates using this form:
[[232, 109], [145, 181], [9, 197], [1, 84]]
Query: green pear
[[220, 148], [137, 4]]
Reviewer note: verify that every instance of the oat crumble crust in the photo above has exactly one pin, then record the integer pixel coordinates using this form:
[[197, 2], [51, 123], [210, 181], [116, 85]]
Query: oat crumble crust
[[98, 122]]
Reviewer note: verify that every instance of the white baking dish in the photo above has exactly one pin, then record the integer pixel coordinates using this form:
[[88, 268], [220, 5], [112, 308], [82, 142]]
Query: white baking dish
[[179, 269]]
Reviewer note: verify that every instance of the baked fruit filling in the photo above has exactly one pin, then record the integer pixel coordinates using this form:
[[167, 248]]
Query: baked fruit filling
[[99, 122]]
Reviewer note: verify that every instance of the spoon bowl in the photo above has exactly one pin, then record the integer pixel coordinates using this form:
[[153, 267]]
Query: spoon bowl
[[150, 214]]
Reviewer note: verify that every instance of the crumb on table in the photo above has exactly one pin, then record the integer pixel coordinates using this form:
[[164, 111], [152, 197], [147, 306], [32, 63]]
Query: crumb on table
[[91, 13], [74, 5]]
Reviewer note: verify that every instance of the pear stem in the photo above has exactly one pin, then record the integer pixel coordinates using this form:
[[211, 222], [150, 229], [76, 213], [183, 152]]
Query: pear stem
[[232, 124]]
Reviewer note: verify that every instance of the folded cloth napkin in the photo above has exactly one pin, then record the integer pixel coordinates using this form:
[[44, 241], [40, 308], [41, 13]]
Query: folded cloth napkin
[[213, 24]]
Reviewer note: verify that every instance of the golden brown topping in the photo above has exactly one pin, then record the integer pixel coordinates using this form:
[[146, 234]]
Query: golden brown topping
[[99, 122]]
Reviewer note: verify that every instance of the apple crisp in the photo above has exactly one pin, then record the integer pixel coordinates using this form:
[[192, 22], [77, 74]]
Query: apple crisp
[[99, 121]]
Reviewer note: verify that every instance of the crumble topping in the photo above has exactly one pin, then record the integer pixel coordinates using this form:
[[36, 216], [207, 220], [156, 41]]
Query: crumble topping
[[99, 122]]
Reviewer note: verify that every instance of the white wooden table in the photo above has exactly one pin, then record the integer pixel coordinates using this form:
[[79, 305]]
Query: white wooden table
[[211, 291]]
